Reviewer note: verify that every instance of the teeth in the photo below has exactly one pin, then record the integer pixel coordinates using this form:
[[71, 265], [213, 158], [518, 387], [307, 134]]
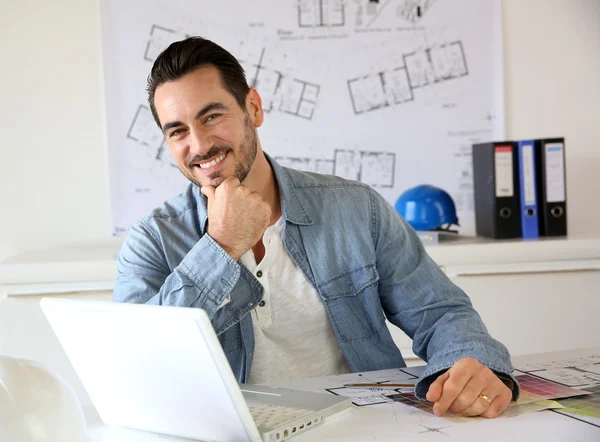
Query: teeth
[[212, 163]]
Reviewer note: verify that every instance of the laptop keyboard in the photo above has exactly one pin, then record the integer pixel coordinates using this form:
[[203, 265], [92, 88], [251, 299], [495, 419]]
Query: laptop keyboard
[[273, 416]]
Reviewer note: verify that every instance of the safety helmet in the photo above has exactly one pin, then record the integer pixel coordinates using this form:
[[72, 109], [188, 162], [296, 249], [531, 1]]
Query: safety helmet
[[427, 207], [36, 405]]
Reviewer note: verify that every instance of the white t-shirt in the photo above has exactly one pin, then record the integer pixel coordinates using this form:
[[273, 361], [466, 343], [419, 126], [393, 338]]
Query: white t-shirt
[[293, 337]]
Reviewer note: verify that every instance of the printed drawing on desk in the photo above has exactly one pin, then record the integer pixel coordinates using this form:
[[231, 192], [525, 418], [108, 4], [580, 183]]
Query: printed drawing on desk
[[588, 405], [369, 396], [580, 372], [535, 389], [515, 409]]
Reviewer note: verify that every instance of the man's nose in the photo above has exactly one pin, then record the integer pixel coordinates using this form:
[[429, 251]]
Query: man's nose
[[200, 142]]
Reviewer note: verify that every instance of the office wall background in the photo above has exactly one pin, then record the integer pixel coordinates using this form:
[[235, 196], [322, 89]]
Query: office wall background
[[53, 171]]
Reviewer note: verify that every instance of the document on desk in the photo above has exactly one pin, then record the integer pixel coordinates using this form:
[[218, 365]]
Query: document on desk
[[537, 394], [578, 370], [534, 389], [514, 409], [339, 385], [399, 416]]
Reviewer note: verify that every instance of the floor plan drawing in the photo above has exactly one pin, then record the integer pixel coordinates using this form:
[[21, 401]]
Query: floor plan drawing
[[382, 89], [159, 39], [373, 168], [436, 64], [321, 13], [279, 92], [369, 12], [420, 69], [414, 10], [306, 164], [145, 133], [390, 93], [144, 129]]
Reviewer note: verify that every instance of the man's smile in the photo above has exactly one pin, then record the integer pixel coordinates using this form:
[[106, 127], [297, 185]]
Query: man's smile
[[210, 165]]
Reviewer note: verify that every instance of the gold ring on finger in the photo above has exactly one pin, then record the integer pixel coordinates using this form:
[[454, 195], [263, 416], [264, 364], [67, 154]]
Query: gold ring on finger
[[485, 398]]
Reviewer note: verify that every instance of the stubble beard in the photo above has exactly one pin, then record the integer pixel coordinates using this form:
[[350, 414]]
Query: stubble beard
[[248, 150]]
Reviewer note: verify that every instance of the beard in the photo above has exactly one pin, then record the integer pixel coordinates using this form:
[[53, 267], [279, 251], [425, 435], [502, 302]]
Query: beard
[[247, 151]]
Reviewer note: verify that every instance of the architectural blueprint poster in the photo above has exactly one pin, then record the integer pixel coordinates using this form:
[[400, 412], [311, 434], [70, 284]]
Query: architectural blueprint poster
[[391, 93]]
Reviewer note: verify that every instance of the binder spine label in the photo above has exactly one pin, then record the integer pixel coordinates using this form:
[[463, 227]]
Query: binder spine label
[[555, 173], [503, 161], [528, 177]]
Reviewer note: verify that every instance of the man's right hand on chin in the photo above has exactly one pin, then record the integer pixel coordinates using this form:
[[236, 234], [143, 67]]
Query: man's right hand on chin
[[237, 217]]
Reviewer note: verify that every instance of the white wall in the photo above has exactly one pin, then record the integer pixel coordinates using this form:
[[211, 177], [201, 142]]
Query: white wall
[[552, 83], [53, 175]]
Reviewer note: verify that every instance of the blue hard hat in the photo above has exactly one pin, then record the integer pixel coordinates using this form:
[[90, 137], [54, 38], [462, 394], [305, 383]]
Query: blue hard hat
[[427, 207]]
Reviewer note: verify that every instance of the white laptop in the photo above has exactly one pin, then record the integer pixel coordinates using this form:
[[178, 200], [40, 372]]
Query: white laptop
[[162, 369]]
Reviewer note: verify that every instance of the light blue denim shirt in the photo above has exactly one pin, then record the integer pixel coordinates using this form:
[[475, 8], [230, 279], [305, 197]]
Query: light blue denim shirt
[[363, 259]]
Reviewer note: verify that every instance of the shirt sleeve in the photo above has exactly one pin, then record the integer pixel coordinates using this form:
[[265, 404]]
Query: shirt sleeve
[[421, 300], [207, 277]]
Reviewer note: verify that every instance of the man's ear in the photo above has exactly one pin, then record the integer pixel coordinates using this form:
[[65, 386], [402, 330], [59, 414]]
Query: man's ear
[[254, 107]]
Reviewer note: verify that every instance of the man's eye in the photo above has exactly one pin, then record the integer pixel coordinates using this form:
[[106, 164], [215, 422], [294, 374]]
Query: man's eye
[[212, 117], [176, 132]]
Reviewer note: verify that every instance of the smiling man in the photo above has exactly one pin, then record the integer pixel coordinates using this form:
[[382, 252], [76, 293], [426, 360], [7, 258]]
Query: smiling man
[[297, 271]]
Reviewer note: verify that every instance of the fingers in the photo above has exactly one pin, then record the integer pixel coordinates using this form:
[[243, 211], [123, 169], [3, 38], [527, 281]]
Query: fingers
[[459, 391], [478, 406], [208, 191], [435, 389], [228, 185], [468, 402], [231, 183], [451, 389], [257, 195], [499, 404]]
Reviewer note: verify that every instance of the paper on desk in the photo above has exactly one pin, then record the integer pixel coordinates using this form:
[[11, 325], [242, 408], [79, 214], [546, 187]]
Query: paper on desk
[[362, 397], [581, 369], [588, 405], [535, 389], [572, 377], [335, 384], [514, 409]]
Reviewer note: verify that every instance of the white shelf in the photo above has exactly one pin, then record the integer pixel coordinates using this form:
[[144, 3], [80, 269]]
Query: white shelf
[[78, 268], [477, 250], [94, 267]]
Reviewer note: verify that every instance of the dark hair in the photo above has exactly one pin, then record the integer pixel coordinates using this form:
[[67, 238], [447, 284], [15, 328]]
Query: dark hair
[[185, 56]]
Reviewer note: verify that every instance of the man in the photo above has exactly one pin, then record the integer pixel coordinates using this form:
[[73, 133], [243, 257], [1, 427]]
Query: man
[[297, 271]]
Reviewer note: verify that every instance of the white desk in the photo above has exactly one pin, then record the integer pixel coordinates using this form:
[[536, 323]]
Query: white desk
[[395, 422]]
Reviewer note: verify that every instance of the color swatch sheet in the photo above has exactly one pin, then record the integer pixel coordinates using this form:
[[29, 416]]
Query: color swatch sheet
[[588, 405], [534, 389], [513, 410], [581, 370], [536, 395]]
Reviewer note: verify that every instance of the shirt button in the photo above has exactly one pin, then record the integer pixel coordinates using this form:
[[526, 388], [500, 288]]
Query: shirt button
[[259, 273], [261, 304]]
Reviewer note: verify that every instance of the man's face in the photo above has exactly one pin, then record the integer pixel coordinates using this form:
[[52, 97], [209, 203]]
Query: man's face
[[210, 136]]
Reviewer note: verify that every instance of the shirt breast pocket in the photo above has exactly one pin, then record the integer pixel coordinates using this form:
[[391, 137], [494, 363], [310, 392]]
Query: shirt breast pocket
[[231, 339], [352, 302]]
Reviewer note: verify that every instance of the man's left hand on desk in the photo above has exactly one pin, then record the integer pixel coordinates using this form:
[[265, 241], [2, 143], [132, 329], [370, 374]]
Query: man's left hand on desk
[[463, 389]]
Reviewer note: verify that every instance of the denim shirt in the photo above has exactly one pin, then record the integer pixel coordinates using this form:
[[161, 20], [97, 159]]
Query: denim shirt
[[360, 255]]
